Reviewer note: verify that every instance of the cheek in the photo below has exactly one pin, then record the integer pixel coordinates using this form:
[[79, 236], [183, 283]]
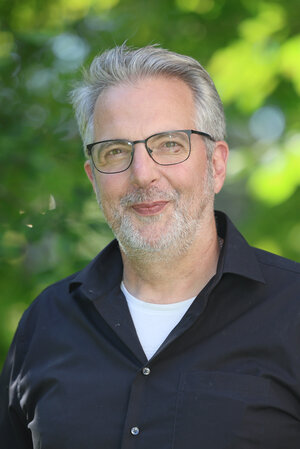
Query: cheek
[[190, 182], [110, 189]]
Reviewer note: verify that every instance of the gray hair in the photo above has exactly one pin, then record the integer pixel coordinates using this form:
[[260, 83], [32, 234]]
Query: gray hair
[[126, 65]]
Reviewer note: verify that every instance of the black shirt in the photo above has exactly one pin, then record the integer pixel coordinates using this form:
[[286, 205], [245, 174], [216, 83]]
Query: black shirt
[[227, 376]]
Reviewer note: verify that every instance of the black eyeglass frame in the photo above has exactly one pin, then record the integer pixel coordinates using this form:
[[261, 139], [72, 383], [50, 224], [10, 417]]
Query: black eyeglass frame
[[189, 132]]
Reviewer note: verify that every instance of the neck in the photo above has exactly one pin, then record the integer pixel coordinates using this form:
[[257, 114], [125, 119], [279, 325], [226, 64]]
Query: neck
[[167, 278]]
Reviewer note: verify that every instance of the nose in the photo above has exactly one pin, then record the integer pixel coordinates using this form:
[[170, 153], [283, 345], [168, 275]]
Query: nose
[[143, 170]]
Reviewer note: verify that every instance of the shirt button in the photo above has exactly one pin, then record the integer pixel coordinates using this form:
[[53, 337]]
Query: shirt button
[[135, 430], [146, 371]]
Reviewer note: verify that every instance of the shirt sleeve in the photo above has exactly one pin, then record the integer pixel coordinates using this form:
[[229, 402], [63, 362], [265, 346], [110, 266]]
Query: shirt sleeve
[[14, 433]]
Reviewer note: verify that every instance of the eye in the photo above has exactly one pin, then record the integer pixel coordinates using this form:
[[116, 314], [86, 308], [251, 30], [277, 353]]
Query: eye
[[171, 144], [114, 152]]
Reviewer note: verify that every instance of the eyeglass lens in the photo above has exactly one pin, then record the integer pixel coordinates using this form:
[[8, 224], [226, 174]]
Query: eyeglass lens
[[164, 148]]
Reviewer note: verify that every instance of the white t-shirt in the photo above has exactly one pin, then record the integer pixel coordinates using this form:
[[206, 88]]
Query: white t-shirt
[[154, 322]]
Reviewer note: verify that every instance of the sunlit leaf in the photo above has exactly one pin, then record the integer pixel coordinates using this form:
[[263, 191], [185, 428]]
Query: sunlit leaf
[[244, 73], [276, 181], [271, 18], [290, 61], [198, 6]]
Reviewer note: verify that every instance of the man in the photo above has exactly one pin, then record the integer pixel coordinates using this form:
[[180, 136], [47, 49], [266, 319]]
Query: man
[[178, 334]]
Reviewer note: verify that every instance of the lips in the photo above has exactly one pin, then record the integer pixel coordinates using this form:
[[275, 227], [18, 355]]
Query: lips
[[152, 208]]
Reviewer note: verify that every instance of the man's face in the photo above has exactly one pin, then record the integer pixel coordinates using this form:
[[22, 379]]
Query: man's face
[[154, 208]]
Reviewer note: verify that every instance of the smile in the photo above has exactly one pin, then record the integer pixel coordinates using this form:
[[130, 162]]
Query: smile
[[152, 208]]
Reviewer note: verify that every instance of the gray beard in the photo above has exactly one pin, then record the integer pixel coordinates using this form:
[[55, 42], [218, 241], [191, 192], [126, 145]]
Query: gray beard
[[171, 244]]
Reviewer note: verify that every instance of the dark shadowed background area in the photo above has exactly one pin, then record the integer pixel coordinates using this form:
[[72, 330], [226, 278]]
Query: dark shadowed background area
[[50, 225]]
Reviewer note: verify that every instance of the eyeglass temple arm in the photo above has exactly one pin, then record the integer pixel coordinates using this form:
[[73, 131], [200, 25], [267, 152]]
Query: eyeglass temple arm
[[200, 133]]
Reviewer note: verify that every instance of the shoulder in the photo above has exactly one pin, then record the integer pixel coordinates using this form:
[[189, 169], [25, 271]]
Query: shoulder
[[59, 289], [277, 263], [44, 308], [281, 276], [59, 301]]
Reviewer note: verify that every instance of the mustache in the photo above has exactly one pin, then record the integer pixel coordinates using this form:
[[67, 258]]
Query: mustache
[[147, 196]]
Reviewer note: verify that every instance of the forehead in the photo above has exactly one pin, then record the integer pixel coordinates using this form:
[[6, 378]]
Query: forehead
[[145, 107]]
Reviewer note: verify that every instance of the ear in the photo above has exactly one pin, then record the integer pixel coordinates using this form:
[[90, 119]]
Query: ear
[[219, 163], [89, 172]]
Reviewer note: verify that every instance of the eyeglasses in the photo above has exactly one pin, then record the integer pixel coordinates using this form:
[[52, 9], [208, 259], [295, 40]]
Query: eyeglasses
[[165, 148]]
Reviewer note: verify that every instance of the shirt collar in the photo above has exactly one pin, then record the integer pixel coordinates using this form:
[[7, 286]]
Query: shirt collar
[[237, 256], [104, 273]]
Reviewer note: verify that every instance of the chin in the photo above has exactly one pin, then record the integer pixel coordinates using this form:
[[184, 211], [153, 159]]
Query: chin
[[165, 245], [140, 242]]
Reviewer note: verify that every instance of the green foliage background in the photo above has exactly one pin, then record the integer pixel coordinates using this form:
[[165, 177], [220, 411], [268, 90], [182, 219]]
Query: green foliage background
[[50, 225]]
